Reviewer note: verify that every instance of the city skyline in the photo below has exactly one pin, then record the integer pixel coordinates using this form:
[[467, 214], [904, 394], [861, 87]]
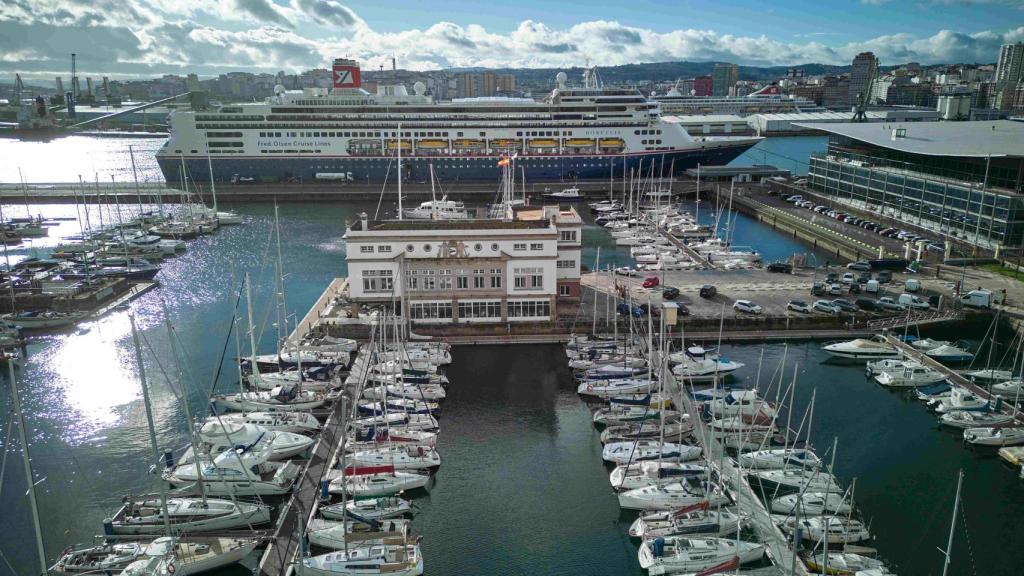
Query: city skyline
[[145, 38]]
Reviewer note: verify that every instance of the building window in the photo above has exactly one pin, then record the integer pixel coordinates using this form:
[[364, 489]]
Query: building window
[[537, 246], [529, 309], [412, 283], [478, 281], [430, 310], [528, 278], [479, 310], [564, 290], [384, 248], [519, 246], [495, 281], [462, 282], [377, 281], [567, 235], [445, 283], [566, 263], [366, 249]]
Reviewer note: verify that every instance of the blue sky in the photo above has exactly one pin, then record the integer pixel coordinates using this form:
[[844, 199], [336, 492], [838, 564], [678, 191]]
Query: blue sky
[[131, 38]]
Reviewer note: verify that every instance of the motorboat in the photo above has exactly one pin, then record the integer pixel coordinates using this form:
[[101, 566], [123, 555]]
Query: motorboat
[[180, 555], [994, 436], [565, 195], [885, 365], [679, 554], [641, 474], [398, 457], [949, 353], [693, 521], [679, 494], [245, 471], [384, 483], [705, 370], [875, 348], [442, 209], [974, 419], [290, 397], [1010, 389], [216, 436], [960, 399], [988, 376], [611, 388], [380, 508], [146, 515], [392, 559], [796, 479], [926, 344], [832, 529], [780, 458], [913, 375], [812, 503], [641, 450], [337, 535], [841, 563], [43, 320], [297, 422]]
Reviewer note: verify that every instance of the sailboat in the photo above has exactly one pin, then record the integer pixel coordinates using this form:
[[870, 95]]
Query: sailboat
[[679, 554], [434, 209], [218, 435], [245, 471], [392, 559], [165, 555]]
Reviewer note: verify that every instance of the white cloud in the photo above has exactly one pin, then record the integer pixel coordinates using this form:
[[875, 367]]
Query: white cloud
[[148, 37]]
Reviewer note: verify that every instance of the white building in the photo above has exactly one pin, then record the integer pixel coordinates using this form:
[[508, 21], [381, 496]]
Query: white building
[[467, 271]]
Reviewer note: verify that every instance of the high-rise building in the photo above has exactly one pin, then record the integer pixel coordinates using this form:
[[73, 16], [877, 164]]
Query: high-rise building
[[865, 67], [723, 78], [1010, 68]]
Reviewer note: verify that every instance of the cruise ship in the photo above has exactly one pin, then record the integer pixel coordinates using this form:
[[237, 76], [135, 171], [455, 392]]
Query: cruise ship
[[348, 134]]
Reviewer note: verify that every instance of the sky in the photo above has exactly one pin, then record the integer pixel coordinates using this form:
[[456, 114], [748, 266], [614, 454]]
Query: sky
[[145, 38]]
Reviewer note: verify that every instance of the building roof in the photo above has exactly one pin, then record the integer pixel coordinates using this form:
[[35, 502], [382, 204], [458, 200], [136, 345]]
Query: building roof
[[724, 171], [996, 138], [563, 214], [704, 118], [441, 225]]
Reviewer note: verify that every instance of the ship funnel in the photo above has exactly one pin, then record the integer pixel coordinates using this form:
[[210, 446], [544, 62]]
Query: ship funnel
[[346, 73]]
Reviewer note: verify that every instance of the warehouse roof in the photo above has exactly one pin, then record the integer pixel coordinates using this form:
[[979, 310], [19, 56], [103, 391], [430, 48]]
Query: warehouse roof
[[998, 138]]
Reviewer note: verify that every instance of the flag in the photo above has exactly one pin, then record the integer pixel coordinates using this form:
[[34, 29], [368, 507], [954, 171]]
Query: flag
[[503, 162]]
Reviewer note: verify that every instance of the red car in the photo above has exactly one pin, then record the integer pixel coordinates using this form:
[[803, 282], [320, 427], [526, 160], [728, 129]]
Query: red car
[[651, 282]]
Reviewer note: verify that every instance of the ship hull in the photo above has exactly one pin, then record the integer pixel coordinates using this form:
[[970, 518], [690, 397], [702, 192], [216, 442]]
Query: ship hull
[[369, 170]]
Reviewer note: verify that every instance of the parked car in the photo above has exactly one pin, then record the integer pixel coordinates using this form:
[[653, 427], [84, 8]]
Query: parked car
[[651, 282], [866, 304], [864, 277], [652, 310], [826, 306], [832, 277], [887, 303], [912, 285], [836, 289], [871, 287], [626, 271], [855, 288], [794, 198], [799, 306], [859, 265], [682, 310], [885, 231], [820, 209], [845, 305], [800, 182], [780, 267], [884, 277], [914, 302], [708, 291], [817, 289], [670, 293], [625, 310], [848, 278], [746, 306]]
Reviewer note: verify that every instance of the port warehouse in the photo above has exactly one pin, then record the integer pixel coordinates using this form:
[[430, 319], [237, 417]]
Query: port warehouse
[[960, 179]]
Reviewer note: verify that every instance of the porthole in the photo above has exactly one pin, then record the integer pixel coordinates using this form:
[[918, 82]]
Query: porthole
[[494, 247], [409, 248], [478, 247], [426, 247]]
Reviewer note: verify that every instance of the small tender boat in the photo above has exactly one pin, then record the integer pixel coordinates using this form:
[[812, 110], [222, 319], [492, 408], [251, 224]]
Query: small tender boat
[[642, 450], [392, 559], [875, 348], [913, 375], [994, 436], [371, 508], [780, 458], [833, 529], [692, 521], [812, 504], [678, 554]]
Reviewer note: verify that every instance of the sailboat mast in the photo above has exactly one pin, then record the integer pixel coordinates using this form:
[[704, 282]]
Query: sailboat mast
[[597, 270], [952, 524], [184, 403], [213, 187], [27, 466], [252, 327], [135, 177], [149, 419], [399, 171]]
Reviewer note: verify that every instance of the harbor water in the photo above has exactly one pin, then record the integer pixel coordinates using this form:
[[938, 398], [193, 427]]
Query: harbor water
[[522, 489]]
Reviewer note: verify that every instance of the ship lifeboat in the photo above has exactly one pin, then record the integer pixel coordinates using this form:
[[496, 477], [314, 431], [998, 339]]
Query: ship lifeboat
[[617, 143], [543, 143], [394, 144], [505, 143], [466, 143], [579, 142], [432, 144]]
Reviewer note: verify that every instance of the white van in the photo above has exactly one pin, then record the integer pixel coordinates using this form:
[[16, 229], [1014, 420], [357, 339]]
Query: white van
[[871, 287], [912, 285], [911, 301], [977, 299]]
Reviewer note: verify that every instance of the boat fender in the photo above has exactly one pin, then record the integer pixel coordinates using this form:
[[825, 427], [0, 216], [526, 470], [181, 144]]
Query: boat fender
[[658, 547], [108, 526], [171, 568], [590, 387]]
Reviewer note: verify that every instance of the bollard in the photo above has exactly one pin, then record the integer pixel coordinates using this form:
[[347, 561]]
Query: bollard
[[168, 459], [108, 527]]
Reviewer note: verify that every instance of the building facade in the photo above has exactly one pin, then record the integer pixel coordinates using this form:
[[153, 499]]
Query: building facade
[[865, 68], [467, 271], [724, 78], [962, 180]]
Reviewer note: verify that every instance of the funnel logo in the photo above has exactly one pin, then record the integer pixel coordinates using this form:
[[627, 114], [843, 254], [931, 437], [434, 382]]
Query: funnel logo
[[346, 77]]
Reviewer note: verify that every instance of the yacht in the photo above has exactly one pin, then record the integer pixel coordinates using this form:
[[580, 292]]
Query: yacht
[[874, 348], [146, 515], [832, 529], [812, 503], [684, 522], [566, 195], [165, 555], [246, 471], [678, 554], [298, 422], [949, 353], [913, 375], [216, 436], [442, 209], [643, 450], [392, 559]]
